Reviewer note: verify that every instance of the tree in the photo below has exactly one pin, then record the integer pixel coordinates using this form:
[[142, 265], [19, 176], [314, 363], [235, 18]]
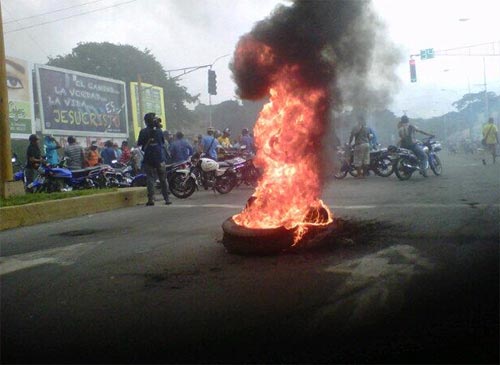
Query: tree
[[125, 62]]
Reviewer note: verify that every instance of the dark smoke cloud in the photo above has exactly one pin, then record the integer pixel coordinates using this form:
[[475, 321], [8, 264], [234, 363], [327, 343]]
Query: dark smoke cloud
[[338, 45]]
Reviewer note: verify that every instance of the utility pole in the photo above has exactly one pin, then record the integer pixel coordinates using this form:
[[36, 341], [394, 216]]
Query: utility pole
[[139, 96], [7, 186], [486, 104]]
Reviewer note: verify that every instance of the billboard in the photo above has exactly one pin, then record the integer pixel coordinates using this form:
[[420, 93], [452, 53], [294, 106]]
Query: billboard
[[74, 103], [152, 101], [20, 95]]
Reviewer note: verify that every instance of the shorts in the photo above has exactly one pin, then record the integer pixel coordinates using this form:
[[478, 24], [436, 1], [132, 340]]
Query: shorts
[[362, 155]]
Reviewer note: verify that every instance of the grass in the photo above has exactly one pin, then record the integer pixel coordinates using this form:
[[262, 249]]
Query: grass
[[39, 197]]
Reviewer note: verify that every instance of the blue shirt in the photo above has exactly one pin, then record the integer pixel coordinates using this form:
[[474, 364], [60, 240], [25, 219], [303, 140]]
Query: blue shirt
[[180, 150], [373, 140], [246, 140], [108, 155], [51, 152], [210, 144]]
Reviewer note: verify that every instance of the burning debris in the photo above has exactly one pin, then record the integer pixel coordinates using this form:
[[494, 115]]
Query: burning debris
[[294, 58]]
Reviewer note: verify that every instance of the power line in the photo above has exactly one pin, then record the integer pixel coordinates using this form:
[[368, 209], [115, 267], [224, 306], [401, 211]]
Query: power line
[[32, 38], [51, 12], [69, 17]]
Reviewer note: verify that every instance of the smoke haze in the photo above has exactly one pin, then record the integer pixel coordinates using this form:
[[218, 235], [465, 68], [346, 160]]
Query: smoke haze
[[338, 45]]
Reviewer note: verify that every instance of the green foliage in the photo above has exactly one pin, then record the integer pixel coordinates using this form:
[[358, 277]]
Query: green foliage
[[231, 114], [39, 197], [126, 62]]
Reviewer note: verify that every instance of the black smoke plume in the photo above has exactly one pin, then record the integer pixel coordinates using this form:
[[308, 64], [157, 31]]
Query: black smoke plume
[[338, 45]]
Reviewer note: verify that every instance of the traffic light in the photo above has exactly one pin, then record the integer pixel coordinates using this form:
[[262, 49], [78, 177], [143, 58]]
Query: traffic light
[[413, 71], [212, 82]]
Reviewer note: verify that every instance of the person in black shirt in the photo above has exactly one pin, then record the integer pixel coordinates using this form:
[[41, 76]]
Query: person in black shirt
[[152, 143], [33, 159]]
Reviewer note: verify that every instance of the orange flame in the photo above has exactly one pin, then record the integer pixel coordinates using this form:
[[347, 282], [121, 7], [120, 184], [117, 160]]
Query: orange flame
[[287, 137]]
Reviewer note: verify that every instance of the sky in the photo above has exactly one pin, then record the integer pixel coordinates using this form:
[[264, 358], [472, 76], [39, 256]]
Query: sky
[[185, 33]]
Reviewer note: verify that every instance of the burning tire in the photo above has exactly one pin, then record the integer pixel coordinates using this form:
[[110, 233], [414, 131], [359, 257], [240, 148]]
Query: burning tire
[[255, 241]]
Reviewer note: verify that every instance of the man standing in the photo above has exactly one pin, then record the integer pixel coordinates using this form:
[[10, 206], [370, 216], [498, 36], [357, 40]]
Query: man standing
[[247, 140], [108, 154], [180, 149], [51, 146], [151, 141], [225, 140], [209, 144], [490, 137], [407, 134], [33, 159], [361, 136], [74, 153]]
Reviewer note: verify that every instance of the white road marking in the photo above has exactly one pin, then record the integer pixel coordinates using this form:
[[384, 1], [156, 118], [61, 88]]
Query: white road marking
[[374, 284], [66, 255]]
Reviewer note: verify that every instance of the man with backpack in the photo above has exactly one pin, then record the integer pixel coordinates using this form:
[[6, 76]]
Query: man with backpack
[[209, 144], [490, 139], [151, 141]]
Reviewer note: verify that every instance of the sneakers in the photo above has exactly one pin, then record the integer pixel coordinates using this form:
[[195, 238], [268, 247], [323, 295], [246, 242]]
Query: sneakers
[[150, 203], [168, 202]]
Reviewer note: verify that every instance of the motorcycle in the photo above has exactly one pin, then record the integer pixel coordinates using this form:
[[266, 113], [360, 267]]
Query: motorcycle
[[203, 172], [381, 162], [245, 170], [407, 162]]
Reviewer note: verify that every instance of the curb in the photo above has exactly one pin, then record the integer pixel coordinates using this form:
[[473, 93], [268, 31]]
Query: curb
[[52, 210]]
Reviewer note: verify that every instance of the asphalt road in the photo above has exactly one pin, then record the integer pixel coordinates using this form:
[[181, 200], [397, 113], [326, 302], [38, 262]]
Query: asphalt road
[[411, 275]]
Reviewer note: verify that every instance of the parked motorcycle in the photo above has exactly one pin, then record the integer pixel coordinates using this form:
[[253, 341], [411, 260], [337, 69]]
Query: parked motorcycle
[[407, 162], [381, 162], [203, 172], [245, 170]]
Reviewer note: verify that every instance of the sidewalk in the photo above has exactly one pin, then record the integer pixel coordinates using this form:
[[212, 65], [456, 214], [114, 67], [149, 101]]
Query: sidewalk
[[49, 211]]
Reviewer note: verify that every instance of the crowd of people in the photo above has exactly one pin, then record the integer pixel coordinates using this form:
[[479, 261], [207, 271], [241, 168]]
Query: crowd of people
[[155, 148]]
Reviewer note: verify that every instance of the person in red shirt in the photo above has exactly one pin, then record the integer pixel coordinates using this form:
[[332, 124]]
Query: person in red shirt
[[126, 154]]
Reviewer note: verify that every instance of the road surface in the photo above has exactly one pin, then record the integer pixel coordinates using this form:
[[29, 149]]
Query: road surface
[[412, 276]]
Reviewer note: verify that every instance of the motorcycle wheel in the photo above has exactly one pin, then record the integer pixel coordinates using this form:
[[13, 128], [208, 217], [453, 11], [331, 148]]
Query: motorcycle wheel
[[253, 177], [384, 167], [341, 172], [224, 184], [401, 171], [436, 166], [181, 189]]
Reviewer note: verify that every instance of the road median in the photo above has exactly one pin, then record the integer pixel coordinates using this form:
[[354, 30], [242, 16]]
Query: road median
[[53, 210]]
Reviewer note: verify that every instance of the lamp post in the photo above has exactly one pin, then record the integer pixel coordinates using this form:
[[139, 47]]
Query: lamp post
[[486, 103]]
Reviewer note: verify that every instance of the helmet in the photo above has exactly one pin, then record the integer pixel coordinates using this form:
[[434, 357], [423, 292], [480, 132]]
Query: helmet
[[227, 131], [149, 119], [404, 119]]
